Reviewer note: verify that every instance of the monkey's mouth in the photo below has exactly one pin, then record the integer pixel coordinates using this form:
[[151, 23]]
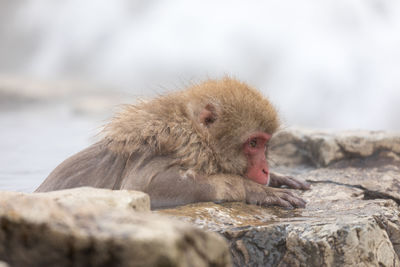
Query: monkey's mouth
[[267, 174], [258, 175]]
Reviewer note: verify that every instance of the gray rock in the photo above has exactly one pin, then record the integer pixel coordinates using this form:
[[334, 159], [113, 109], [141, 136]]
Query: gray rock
[[98, 198], [359, 159], [326, 233], [321, 148], [352, 215], [99, 227]]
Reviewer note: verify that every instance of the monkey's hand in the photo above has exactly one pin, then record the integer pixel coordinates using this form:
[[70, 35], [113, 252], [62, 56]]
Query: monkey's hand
[[266, 196], [278, 180]]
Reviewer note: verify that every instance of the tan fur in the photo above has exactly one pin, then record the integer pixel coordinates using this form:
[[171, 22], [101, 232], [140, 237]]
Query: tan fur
[[169, 125]]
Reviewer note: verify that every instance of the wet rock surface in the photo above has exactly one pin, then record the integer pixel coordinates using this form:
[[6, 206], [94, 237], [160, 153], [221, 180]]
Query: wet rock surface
[[352, 215], [359, 159], [99, 227]]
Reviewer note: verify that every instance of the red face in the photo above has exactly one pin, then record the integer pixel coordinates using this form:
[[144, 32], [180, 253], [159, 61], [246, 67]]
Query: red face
[[254, 149]]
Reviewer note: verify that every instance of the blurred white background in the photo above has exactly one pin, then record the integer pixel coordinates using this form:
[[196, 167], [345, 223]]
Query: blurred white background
[[329, 64], [325, 64]]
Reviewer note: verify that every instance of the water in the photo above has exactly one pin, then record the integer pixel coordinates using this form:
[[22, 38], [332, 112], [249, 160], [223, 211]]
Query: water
[[35, 140]]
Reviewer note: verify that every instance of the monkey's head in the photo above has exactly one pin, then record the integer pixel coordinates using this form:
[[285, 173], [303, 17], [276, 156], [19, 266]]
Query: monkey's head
[[237, 122], [212, 127]]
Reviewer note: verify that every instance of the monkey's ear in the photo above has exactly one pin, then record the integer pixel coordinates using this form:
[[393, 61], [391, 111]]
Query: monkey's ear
[[208, 115]]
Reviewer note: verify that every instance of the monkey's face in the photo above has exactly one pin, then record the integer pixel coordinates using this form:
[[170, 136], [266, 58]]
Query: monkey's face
[[235, 121], [239, 150], [254, 149]]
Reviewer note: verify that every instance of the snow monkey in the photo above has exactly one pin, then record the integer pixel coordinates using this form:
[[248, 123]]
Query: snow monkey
[[205, 143]]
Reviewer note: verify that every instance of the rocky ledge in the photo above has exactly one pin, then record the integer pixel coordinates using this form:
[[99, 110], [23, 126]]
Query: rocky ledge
[[99, 227], [351, 219], [352, 215]]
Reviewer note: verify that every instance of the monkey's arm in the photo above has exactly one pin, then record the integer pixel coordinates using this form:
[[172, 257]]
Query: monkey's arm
[[167, 186], [278, 180], [173, 187]]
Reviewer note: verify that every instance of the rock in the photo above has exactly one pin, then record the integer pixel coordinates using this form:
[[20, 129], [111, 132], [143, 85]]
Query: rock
[[319, 148], [352, 216], [327, 233], [366, 160], [99, 227], [96, 198]]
